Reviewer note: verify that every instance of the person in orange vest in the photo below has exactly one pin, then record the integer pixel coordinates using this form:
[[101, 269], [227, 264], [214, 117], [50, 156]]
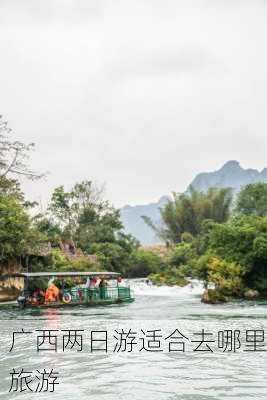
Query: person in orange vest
[[52, 293]]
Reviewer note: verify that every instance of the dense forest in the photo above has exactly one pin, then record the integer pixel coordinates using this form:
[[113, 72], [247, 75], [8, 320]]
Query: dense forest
[[210, 236], [218, 239]]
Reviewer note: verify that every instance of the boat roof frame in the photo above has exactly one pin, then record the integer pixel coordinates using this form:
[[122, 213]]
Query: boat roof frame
[[61, 274]]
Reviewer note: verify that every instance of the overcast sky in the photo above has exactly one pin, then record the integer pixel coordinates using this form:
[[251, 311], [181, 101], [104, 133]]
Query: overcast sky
[[141, 95]]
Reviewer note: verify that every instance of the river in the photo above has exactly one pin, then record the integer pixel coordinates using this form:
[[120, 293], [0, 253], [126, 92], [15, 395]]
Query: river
[[163, 374]]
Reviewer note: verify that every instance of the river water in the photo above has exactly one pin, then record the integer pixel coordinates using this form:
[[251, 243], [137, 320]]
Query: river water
[[152, 370]]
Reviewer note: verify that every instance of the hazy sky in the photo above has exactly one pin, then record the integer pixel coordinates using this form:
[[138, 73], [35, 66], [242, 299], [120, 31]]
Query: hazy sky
[[141, 95]]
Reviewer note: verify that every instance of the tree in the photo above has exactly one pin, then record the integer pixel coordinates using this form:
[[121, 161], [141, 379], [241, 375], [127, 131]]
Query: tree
[[11, 186], [143, 263], [252, 199], [96, 227], [48, 228], [226, 276], [17, 235], [83, 214], [243, 241], [14, 156], [187, 212], [62, 209], [181, 254]]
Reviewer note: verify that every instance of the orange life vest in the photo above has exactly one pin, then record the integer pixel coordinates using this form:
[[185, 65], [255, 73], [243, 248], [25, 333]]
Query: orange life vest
[[51, 293]]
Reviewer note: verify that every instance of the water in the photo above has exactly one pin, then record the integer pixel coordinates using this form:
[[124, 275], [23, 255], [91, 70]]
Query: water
[[139, 375]]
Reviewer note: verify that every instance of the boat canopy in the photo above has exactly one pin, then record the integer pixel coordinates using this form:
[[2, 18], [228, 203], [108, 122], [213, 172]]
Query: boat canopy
[[62, 274]]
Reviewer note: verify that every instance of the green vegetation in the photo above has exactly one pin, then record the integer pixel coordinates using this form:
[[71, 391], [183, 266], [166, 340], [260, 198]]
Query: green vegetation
[[185, 213], [207, 236], [145, 262], [15, 230], [79, 231], [84, 231], [253, 200], [227, 250]]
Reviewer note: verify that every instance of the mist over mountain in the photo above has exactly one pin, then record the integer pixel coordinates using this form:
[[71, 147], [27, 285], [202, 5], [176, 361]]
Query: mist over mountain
[[231, 174]]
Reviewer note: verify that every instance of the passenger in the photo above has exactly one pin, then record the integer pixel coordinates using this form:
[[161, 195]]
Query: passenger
[[119, 280], [102, 288], [103, 282], [38, 296], [34, 299], [92, 286], [93, 282], [41, 297], [52, 293]]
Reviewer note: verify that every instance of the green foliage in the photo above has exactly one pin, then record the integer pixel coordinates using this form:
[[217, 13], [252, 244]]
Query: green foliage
[[187, 212], [230, 255], [95, 226], [181, 254], [81, 206], [240, 245], [214, 296], [176, 265], [241, 240], [49, 229], [233, 241], [17, 236], [111, 256], [200, 268], [60, 262], [37, 283], [260, 247], [98, 228], [252, 200], [170, 276], [226, 276], [11, 186], [143, 263], [187, 237]]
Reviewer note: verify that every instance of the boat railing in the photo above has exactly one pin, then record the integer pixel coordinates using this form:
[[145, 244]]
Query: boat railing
[[100, 293], [83, 295]]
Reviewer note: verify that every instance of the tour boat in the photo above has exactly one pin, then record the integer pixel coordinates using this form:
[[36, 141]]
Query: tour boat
[[54, 289]]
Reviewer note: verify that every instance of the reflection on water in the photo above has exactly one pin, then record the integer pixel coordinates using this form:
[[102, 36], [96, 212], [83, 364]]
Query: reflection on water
[[188, 376]]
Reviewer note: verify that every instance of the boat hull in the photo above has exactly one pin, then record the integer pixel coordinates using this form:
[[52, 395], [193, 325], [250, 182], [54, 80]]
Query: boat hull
[[89, 304]]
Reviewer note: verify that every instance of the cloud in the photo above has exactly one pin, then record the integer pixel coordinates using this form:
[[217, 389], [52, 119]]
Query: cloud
[[142, 95]]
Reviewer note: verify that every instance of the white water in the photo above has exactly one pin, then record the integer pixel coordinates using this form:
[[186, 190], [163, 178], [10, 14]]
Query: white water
[[141, 287]]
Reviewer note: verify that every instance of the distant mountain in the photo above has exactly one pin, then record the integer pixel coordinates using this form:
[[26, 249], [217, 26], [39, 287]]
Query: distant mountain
[[133, 222], [230, 175]]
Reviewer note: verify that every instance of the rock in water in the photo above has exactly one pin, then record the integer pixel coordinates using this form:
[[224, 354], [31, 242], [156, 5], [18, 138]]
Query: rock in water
[[212, 296]]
